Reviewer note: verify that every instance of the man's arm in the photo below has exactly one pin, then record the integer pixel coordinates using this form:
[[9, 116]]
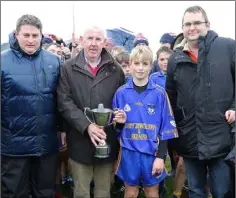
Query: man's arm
[[233, 73], [67, 107]]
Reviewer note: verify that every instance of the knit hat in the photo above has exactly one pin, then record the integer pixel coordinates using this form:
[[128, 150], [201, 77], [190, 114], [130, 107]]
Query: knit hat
[[140, 39], [168, 38]]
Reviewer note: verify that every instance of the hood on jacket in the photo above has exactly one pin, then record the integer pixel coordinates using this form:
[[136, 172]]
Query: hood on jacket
[[211, 35], [14, 45]]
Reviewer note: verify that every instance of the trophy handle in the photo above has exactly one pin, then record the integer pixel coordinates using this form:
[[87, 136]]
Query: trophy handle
[[85, 113], [113, 123]]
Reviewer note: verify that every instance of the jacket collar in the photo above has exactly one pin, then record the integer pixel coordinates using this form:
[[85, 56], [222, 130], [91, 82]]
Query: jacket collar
[[130, 84], [79, 60], [204, 41]]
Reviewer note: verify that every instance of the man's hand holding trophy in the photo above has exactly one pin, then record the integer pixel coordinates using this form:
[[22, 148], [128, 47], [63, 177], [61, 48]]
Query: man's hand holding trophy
[[100, 118]]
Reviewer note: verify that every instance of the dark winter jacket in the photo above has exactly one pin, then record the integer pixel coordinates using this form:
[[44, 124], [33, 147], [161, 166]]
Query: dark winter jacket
[[78, 89], [28, 101], [200, 94]]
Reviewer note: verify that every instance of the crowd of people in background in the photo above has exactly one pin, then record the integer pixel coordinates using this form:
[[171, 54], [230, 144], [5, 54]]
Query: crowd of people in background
[[184, 98]]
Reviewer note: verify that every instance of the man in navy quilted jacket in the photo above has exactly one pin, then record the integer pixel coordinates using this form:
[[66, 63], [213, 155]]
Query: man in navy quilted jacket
[[29, 148]]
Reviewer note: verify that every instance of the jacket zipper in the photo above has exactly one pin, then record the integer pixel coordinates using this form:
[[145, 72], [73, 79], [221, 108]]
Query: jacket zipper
[[38, 104], [44, 78]]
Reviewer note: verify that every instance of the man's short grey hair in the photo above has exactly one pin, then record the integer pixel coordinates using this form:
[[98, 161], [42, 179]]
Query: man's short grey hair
[[103, 32], [196, 9], [29, 20]]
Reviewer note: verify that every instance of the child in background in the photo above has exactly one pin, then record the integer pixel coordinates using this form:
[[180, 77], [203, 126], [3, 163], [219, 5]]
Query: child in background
[[123, 59], [159, 77]]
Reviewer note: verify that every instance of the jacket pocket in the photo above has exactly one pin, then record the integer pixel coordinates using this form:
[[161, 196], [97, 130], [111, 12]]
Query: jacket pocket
[[217, 130], [184, 126]]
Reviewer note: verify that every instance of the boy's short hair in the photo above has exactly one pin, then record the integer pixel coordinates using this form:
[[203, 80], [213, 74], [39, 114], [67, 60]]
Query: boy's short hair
[[141, 52], [164, 49], [116, 50], [122, 57]]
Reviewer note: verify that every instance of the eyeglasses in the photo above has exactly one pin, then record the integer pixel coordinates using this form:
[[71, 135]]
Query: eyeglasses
[[195, 24]]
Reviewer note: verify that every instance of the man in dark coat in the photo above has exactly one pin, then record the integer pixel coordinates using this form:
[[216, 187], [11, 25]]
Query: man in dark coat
[[201, 87], [90, 78]]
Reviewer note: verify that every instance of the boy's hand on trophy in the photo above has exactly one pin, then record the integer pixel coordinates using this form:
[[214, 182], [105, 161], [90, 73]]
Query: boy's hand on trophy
[[120, 116], [96, 134]]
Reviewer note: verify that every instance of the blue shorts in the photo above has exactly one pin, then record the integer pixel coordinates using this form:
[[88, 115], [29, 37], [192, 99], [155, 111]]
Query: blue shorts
[[134, 167]]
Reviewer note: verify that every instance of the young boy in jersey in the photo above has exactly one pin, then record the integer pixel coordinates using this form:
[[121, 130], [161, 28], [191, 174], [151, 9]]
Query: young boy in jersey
[[163, 55], [149, 124]]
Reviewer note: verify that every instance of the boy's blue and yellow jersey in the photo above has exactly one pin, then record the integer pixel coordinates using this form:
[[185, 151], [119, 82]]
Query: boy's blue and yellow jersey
[[149, 117], [158, 78]]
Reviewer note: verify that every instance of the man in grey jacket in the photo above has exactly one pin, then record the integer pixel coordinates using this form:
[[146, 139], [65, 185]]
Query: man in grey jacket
[[90, 78]]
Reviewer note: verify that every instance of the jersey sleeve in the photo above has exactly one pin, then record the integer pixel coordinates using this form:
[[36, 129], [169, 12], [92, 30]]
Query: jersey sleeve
[[115, 105], [168, 127]]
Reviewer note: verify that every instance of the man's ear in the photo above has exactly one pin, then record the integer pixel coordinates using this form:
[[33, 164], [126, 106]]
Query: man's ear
[[16, 34], [105, 42], [208, 25]]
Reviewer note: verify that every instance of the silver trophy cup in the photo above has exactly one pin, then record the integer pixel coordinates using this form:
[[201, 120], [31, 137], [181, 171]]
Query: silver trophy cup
[[101, 117]]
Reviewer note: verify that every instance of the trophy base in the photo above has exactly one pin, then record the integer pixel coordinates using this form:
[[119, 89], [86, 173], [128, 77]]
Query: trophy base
[[102, 152]]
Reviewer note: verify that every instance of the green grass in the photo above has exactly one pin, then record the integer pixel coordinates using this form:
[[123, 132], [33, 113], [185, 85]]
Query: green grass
[[67, 191], [169, 181]]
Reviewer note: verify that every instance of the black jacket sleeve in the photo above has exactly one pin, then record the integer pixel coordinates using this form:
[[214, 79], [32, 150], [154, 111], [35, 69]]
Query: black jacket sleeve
[[170, 83], [233, 71], [162, 150]]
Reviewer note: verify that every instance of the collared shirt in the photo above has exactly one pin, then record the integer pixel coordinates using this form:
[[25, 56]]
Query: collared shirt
[[158, 78], [190, 53], [149, 117], [94, 70]]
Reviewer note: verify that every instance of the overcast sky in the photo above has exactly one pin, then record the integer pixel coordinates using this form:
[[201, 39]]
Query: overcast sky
[[151, 18]]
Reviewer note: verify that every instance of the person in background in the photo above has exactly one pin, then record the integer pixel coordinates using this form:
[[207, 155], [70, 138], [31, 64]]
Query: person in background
[[159, 78], [123, 59], [162, 55], [110, 44], [167, 40], [116, 50], [140, 39], [76, 45], [62, 52]]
